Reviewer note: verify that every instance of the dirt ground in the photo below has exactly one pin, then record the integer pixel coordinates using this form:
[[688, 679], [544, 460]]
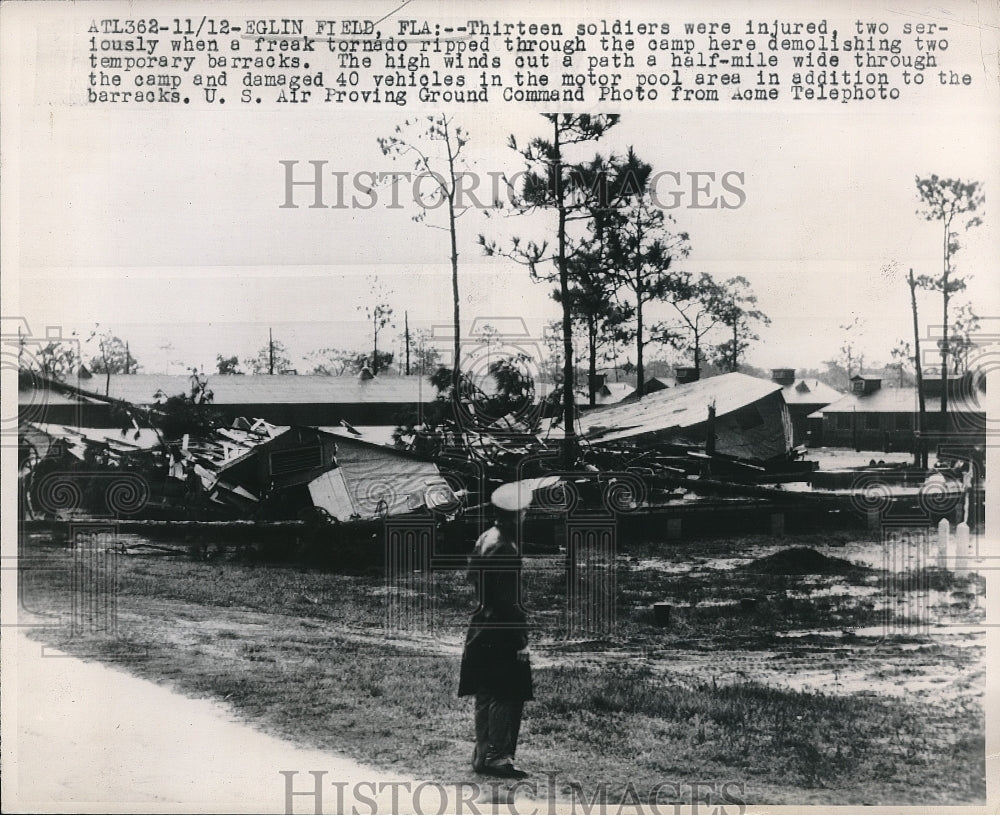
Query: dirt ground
[[850, 685], [91, 738]]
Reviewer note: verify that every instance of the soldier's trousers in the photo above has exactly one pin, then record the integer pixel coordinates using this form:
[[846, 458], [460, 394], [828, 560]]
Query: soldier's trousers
[[498, 722]]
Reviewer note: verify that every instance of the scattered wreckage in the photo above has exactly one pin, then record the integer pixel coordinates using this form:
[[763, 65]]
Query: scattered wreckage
[[716, 446], [251, 471]]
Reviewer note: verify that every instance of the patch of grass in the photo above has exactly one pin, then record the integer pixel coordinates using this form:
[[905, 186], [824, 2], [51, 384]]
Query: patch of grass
[[934, 579], [273, 643], [810, 739]]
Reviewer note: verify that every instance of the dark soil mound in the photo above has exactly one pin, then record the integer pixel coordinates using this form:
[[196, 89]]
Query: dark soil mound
[[800, 560]]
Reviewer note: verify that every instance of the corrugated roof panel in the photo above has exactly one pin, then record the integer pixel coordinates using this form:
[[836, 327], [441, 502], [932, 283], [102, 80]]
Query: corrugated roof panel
[[682, 406]]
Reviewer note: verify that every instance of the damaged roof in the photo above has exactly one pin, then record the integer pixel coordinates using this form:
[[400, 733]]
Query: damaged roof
[[679, 407]]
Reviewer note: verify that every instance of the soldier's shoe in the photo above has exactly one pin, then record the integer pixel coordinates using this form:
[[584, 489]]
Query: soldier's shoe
[[504, 768], [478, 761]]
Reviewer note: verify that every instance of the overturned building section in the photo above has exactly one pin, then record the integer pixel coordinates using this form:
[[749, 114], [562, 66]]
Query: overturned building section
[[252, 470], [732, 415], [373, 481]]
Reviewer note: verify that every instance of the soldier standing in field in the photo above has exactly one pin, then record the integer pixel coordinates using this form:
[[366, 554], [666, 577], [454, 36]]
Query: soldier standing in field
[[495, 661]]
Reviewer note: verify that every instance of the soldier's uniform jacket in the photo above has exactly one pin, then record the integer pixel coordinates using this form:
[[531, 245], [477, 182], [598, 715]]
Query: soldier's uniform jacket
[[498, 629]]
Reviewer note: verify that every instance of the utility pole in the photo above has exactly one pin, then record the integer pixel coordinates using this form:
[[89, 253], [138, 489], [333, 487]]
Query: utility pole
[[921, 443], [406, 334], [270, 352]]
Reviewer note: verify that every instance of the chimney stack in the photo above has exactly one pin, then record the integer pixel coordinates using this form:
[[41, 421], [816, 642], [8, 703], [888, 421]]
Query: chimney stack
[[683, 376], [864, 385], [783, 376], [599, 381]]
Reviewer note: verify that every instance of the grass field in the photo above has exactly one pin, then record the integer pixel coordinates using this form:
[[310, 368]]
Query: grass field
[[764, 679]]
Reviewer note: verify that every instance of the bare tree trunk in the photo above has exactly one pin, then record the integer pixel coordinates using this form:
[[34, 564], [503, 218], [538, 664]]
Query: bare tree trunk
[[569, 410], [920, 454], [107, 371], [592, 359], [944, 324], [944, 358], [640, 369], [457, 350]]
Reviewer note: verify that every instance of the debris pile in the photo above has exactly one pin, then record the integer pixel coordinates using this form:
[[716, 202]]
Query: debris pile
[[252, 470], [799, 560]]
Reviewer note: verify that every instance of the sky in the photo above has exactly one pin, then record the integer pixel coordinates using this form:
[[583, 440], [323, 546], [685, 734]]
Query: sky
[[166, 226]]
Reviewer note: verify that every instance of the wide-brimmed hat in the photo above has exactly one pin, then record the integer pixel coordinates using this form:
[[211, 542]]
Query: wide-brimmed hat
[[517, 495]]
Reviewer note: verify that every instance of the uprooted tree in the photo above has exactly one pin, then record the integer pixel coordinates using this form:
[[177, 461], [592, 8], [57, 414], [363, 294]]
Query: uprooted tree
[[191, 412], [438, 424]]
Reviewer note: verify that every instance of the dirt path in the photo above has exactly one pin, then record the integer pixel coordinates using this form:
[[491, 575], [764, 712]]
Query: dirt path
[[90, 738], [946, 664]]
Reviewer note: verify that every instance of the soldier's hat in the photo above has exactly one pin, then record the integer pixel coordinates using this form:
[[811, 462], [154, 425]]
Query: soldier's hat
[[517, 495]]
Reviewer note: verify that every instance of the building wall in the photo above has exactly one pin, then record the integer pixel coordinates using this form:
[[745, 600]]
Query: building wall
[[800, 425], [376, 414], [759, 431], [890, 432]]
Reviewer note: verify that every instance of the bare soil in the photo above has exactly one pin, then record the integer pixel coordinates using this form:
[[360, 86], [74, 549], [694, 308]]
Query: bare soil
[[796, 669]]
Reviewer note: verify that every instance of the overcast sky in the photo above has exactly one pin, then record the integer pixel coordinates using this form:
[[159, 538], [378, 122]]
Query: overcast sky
[[165, 224]]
